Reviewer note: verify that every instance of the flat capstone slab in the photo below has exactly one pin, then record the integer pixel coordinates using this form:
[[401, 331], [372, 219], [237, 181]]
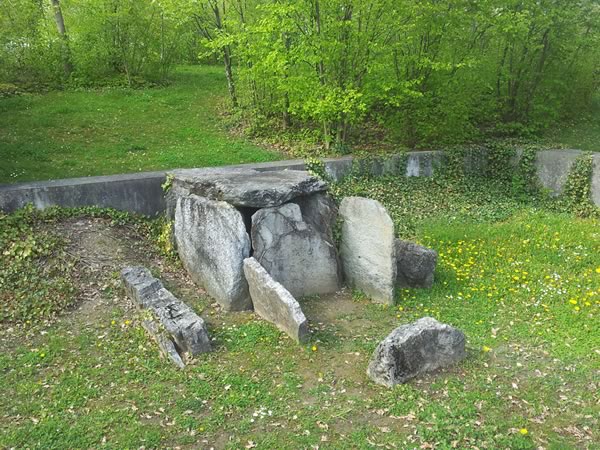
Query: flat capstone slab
[[246, 187]]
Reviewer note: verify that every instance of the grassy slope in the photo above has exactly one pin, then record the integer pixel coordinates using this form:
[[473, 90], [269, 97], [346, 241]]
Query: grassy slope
[[72, 134], [508, 275], [583, 133]]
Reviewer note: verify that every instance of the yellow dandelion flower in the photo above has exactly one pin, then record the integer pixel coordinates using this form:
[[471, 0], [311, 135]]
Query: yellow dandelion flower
[[597, 269], [127, 322], [486, 349], [314, 348], [573, 301], [523, 431], [577, 308]]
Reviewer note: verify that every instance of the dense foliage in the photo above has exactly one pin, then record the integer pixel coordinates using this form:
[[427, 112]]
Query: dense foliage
[[432, 71], [424, 72]]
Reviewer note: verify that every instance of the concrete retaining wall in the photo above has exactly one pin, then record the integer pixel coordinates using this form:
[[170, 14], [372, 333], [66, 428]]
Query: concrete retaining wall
[[142, 193]]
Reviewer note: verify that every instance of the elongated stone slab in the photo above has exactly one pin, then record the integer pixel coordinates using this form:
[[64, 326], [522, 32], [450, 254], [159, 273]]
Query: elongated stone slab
[[274, 303], [212, 243], [415, 348], [246, 187], [183, 325], [367, 250]]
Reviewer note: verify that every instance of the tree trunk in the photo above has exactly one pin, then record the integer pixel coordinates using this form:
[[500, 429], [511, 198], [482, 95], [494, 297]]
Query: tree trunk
[[229, 76], [226, 55], [60, 25]]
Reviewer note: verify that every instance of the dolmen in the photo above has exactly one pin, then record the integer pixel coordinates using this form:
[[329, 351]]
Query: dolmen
[[257, 240], [284, 219], [262, 239]]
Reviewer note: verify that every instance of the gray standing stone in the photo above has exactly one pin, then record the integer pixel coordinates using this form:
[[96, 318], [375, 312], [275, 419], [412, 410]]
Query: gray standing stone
[[246, 187], [274, 303], [367, 249], [212, 243], [320, 211], [415, 265], [413, 349], [185, 327], [296, 255]]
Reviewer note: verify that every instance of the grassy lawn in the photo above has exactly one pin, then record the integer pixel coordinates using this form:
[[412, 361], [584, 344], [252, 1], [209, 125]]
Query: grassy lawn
[[82, 133], [583, 134], [521, 279]]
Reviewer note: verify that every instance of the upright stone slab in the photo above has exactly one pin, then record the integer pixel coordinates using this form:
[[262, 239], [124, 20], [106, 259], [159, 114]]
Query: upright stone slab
[[246, 187], [367, 249], [320, 211], [185, 327], [296, 255], [212, 243], [413, 349], [415, 265], [274, 303]]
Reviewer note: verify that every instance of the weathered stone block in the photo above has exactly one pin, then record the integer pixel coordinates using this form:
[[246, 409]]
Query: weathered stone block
[[553, 167], [246, 187], [212, 243], [293, 252], [367, 248], [185, 327], [413, 349], [415, 265], [274, 303]]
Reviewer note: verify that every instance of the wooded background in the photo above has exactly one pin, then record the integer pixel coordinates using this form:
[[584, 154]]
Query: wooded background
[[427, 71]]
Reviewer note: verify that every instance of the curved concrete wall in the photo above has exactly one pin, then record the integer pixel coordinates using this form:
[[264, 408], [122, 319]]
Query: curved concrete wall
[[141, 193]]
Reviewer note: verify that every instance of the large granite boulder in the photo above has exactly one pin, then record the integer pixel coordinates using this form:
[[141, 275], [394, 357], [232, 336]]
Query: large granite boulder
[[246, 187], [296, 255], [182, 324], [274, 303], [212, 243], [415, 265], [367, 248], [412, 349]]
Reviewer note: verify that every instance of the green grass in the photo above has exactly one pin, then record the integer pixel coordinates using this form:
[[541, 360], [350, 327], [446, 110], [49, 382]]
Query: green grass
[[582, 133], [521, 280], [82, 133]]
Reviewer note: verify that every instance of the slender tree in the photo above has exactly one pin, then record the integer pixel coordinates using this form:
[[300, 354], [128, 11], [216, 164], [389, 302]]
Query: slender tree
[[62, 31]]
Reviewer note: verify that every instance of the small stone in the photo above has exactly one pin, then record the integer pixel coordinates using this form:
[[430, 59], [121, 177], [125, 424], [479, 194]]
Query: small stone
[[415, 265], [293, 252], [416, 348], [367, 248], [212, 243], [274, 303], [246, 187]]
